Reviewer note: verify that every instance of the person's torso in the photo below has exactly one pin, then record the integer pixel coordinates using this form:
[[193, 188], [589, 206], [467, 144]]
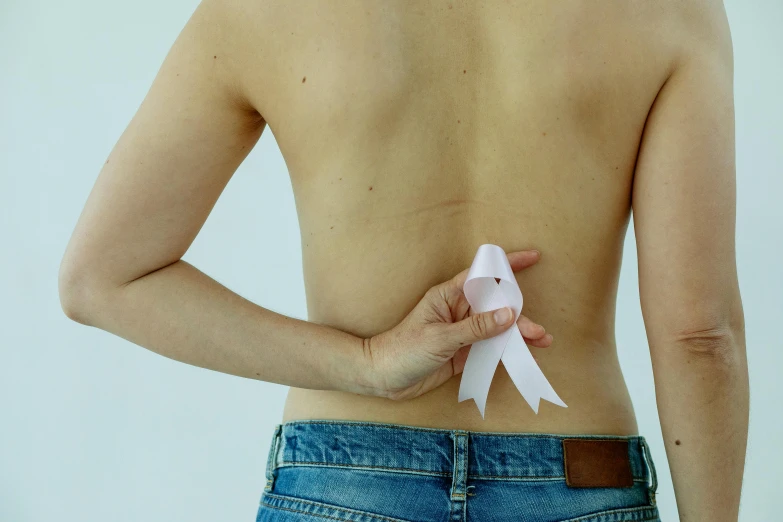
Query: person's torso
[[416, 131]]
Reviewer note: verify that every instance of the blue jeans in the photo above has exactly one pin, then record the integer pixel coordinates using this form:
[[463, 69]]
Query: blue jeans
[[327, 470]]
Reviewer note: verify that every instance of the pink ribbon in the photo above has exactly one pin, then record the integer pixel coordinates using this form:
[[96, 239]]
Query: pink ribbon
[[484, 293]]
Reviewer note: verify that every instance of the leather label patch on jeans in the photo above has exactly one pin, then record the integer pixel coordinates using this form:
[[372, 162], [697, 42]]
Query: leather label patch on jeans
[[592, 463]]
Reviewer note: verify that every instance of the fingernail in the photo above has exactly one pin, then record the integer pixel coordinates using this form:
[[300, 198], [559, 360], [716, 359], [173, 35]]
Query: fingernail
[[502, 316]]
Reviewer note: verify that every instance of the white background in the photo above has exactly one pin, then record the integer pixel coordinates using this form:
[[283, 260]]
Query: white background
[[94, 428]]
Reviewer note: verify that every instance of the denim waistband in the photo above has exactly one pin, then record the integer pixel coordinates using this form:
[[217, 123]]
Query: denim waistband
[[434, 451]]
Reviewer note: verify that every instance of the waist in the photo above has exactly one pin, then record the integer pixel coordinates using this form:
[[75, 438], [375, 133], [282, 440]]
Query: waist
[[596, 395], [434, 451]]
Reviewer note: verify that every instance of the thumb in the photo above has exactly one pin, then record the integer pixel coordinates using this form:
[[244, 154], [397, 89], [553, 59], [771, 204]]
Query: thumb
[[478, 327]]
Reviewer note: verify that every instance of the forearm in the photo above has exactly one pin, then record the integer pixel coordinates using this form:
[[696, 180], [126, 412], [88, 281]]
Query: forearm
[[183, 314], [702, 395]]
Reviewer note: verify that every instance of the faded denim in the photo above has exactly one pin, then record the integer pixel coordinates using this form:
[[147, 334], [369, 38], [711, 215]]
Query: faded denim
[[327, 470]]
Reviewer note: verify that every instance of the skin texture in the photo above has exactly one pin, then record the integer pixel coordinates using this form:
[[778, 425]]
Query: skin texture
[[413, 133]]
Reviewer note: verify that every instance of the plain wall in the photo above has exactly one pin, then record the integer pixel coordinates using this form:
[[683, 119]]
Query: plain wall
[[95, 428]]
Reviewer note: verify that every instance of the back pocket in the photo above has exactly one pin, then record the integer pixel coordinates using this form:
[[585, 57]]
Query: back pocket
[[281, 508], [358, 494]]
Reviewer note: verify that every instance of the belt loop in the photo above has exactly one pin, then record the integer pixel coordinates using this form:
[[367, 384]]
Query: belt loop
[[271, 461], [460, 468], [653, 486]]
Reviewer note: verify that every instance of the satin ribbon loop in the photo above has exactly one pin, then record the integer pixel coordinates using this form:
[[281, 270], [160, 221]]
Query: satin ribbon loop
[[485, 293]]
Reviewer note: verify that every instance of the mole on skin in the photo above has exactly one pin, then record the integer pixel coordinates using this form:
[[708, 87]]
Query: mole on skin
[[677, 442]]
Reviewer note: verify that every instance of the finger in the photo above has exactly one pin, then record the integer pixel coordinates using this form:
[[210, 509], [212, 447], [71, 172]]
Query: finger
[[450, 337], [543, 342], [518, 260], [522, 259], [529, 329]]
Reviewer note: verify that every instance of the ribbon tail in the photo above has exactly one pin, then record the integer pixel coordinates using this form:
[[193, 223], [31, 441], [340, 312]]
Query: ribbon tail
[[525, 373], [483, 359]]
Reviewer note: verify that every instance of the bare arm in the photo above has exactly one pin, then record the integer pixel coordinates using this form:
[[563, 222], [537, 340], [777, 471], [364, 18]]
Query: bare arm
[[684, 217], [122, 271]]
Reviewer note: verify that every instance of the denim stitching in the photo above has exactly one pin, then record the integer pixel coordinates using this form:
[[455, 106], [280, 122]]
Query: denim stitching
[[656, 519], [289, 463], [533, 477], [652, 486], [590, 518], [454, 444], [271, 464], [388, 468], [458, 464], [294, 500], [307, 513], [587, 518]]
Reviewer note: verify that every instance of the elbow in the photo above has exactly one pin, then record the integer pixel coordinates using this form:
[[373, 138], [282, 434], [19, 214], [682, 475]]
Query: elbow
[[73, 289], [71, 309], [722, 344], [704, 328], [70, 301]]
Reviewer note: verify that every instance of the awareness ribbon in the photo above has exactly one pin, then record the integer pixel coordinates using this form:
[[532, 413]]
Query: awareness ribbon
[[484, 293]]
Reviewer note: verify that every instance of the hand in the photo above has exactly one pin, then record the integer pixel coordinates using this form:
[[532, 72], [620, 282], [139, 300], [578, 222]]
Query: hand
[[431, 344]]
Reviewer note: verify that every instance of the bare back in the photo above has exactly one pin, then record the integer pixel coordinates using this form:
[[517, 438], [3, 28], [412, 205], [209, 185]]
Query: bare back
[[414, 132]]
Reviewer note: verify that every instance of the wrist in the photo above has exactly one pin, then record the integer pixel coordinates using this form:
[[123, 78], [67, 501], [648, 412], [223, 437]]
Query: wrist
[[362, 374]]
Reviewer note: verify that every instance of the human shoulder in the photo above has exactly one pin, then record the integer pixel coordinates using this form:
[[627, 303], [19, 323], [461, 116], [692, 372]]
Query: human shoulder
[[703, 29]]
